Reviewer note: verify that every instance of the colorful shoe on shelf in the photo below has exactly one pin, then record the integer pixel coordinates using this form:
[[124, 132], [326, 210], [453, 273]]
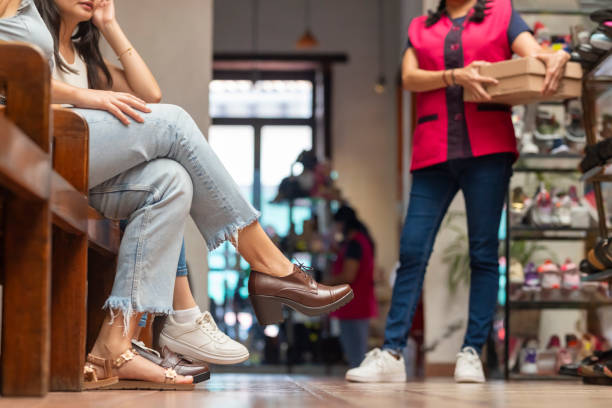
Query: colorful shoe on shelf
[[529, 358], [550, 276], [547, 131], [517, 274], [542, 210], [527, 144], [519, 206], [562, 210], [575, 134], [554, 342], [571, 275], [532, 278], [564, 363], [601, 41]]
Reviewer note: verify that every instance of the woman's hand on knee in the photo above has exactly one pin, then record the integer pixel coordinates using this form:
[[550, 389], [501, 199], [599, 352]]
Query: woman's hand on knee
[[121, 105]]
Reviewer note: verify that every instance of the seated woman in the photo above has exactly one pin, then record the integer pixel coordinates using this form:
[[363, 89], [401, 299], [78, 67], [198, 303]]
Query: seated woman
[[189, 331], [155, 173]]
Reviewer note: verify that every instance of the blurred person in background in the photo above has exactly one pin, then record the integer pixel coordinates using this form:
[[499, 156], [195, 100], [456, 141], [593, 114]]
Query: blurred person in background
[[355, 266]]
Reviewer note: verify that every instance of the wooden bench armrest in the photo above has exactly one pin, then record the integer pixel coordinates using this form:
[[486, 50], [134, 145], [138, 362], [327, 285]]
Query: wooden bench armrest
[[24, 168], [71, 147]]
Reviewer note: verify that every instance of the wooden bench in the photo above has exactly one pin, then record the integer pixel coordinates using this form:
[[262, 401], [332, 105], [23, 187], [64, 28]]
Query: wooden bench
[[46, 291]]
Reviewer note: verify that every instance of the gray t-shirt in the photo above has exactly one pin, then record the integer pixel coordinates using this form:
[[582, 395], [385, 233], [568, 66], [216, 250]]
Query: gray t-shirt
[[28, 26]]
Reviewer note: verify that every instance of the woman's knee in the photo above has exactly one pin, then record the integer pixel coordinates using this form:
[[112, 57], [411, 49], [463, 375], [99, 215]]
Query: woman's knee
[[174, 182], [173, 115]]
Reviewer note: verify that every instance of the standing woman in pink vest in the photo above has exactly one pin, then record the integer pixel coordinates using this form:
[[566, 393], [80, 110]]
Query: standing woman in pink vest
[[456, 146]]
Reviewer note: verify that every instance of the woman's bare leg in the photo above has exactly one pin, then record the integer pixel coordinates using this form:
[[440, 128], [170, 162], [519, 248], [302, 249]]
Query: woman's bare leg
[[183, 298], [259, 251], [113, 340]]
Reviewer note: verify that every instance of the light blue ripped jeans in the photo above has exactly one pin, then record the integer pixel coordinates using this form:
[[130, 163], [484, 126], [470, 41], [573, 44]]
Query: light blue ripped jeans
[[153, 175]]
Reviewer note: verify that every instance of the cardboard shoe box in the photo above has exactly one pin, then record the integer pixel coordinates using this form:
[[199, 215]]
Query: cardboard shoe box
[[521, 81]]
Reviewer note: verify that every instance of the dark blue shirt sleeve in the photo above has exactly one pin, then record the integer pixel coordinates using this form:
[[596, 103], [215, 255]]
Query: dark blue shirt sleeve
[[516, 27]]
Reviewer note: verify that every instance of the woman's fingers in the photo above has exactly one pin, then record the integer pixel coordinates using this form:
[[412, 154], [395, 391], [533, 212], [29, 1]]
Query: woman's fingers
[[125, 108], [487, 80], [481, 92], [129, 95], [117, 112], [134, 102]]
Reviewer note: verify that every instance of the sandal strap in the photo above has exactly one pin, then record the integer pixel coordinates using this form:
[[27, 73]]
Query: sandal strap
[[100, 362], [126, 356], [89, 374], [170, 376]]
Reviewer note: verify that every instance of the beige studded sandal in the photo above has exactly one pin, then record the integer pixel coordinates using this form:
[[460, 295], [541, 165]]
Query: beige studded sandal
[[169, 383], [91, 380]]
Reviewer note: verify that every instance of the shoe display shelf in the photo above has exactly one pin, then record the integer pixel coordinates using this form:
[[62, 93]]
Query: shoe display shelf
[[595, 82]]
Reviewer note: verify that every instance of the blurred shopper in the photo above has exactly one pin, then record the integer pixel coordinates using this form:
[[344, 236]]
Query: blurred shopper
[[355, 266], [456, 146]]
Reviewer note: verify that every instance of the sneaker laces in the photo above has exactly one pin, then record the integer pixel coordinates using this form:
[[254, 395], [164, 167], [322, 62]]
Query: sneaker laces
[[371, 356], [470, 356], [207, 323], [141, 344]]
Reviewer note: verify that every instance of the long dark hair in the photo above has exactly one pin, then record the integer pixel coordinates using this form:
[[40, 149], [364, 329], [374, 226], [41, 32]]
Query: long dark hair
[[86, 42], [480, 9], [350, 222]]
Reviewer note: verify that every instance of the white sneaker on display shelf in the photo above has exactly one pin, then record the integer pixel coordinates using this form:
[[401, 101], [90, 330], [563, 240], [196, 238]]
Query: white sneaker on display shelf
[[379, 366], [468, 368], [202, 340]]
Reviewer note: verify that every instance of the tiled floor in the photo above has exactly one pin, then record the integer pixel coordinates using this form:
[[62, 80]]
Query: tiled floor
[[255, 391]]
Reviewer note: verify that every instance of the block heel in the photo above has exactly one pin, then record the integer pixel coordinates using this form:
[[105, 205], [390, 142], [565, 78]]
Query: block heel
[[268, 309]]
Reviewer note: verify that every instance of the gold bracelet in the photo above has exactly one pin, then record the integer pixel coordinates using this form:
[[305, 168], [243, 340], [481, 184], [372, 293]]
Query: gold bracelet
[[124, 52]]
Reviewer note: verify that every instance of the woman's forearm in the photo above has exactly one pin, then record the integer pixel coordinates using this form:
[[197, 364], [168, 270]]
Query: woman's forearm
[[420, 80], [415, 79], [137, 73], [64, 93]]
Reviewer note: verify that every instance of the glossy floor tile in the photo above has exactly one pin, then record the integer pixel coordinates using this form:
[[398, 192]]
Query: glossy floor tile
[[255, 391]]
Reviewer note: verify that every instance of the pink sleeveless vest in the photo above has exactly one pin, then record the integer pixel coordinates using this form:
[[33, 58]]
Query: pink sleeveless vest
[[447, 128]]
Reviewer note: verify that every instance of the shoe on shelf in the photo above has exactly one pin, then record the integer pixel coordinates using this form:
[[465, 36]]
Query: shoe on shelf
[[601, 41], [575, 134], [532, 278], [571, 275], [541, 214], [298, 291], [547, 131], [598, 258], [468, 368], [565, 363], [550, 275], [519, 206], [517, 274], [527, 144], [201, 340], [529, 358], [379, 366]]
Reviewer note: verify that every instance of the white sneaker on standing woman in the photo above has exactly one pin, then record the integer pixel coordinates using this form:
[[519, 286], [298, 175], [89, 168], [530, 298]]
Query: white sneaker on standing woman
[[379, 366], [468, 368]]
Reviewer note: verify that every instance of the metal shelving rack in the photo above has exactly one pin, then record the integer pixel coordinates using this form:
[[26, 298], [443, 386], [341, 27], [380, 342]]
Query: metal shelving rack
[[593, 86]]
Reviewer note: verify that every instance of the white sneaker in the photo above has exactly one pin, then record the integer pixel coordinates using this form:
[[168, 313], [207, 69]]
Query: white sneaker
[[468, 368], [202, 340], [378, 366]]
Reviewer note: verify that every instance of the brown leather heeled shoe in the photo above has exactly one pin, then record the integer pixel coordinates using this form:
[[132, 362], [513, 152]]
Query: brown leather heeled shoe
[[298, 290]]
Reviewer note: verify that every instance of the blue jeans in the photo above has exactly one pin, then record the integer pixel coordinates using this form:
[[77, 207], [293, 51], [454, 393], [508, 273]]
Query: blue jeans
[[154, 175], [483, 181], [354, 339]]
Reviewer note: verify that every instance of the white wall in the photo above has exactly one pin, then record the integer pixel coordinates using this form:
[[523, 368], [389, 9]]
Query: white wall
[[176, 43], [364, 123]]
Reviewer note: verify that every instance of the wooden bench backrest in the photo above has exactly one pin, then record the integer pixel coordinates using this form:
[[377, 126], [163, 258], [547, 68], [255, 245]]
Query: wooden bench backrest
[[28, 91]]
